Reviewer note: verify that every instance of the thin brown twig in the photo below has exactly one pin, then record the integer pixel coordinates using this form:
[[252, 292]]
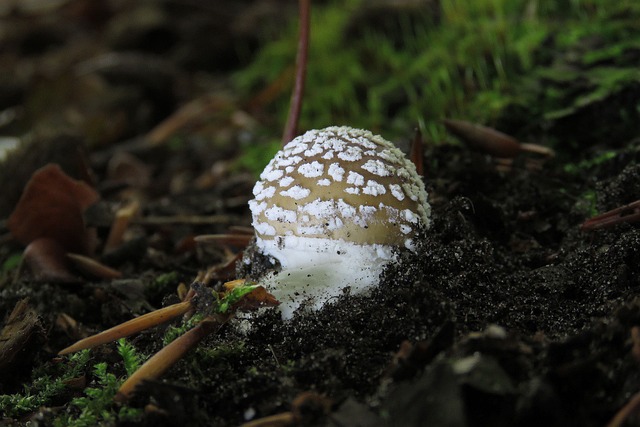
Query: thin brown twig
[[131, 327], [627, 213], [278, 420], [291, 128], [167, 357], [626, 411]]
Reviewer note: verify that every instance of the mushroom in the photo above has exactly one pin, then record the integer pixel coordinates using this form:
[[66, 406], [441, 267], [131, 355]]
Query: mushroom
[[332, 208]]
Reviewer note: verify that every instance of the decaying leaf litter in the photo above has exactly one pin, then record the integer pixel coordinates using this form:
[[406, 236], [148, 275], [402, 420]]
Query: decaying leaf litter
[[509, 314]]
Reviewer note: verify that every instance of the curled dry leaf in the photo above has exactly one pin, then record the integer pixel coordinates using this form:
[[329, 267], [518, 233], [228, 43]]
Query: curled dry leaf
[[47, 261], [51, 207], [257, 297], [77, 383]]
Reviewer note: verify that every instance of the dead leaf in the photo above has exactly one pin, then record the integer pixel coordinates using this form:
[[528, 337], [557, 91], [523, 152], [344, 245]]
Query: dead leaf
[[47, 262], [51, 206], [259, 297]]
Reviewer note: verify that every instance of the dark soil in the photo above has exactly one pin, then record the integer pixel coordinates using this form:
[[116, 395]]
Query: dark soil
[[508, 315]]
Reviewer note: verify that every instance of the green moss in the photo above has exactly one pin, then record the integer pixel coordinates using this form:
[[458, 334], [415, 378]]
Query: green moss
[[590, 200], [599, 84], [48, 382], [162, 285], [96, 407], [574, 168], [174, 332], [218, 353], [468, 65], [130, 356], [11, 263], [255, 157]]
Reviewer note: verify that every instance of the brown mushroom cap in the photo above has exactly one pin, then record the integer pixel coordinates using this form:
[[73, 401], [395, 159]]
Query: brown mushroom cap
[[340, 183]]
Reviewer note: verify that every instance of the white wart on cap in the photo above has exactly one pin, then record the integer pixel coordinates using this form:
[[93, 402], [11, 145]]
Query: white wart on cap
[[331, 207]]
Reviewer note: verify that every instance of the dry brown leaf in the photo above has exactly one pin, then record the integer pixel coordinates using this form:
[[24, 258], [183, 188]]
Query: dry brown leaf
[[259, 297], [51, 206], [47, 262]]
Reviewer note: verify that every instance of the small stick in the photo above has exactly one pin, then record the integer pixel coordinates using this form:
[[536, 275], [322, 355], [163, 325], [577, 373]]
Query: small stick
[[492, 141], [131, 327], [629, 408], [93, 267], [166, 358], [537, 149], [291, 128], [120, 224], [626, 213], [278, 420]]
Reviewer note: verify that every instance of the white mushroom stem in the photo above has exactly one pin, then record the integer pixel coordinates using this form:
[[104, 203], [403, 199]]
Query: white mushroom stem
[[309, 278]]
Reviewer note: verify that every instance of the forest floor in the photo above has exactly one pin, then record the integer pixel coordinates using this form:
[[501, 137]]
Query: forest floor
[[508, 314]]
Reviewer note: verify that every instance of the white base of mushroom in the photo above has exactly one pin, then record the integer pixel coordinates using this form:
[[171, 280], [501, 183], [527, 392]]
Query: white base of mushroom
[[316, 270]]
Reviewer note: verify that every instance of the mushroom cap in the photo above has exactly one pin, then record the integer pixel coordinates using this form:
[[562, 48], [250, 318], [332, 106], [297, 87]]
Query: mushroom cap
[[331, 207], [339, 184]]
